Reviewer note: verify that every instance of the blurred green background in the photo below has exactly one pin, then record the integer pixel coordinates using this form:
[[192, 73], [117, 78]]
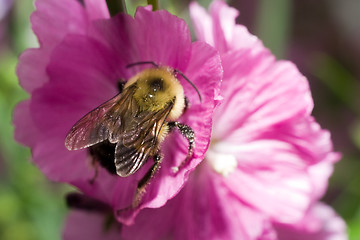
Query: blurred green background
[[323, 39]]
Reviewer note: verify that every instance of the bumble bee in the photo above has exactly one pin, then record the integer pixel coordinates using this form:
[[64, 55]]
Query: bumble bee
[[128, 129]]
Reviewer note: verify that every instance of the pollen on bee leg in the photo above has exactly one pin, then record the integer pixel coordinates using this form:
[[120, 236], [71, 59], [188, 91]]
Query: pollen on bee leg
[[221, 162]]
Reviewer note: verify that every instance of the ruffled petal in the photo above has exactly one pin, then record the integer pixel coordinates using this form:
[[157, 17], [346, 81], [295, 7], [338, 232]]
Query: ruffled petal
[[320, 174], [259, 93], [320, 223], [48, 20], [203, 210], [203, 23], [96, 9], [158, 37], [51, 22], [282, 172], [31, 69], [171, 49], [323, 150], [264, 123], [219, 28], [279, 194], [263, 135], [209, 211]]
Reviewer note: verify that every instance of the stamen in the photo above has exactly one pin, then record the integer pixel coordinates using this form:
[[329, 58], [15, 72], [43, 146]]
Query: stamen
[[221, 162]]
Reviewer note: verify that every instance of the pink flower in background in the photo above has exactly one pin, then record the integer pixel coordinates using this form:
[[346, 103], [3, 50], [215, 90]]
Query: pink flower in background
[[5, 5], [268, 161], [83, 55], [319, 223]]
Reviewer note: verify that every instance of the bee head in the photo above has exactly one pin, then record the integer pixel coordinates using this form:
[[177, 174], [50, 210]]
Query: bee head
[[156, 88]]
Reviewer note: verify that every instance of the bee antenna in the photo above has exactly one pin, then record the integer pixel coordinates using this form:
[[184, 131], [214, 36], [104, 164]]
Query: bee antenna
[[141, 63], [188, 80]]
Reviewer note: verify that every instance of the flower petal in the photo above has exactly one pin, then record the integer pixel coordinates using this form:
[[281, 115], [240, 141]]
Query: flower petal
[[167, 42], [80, 79], [202, 23], [321, 172], [48, 20], [50, 27], [97, 9], [282, 171], [89, 226], [261, 93], [203, 210], [281, 195], [31, 69], [320, 223], [220, 30], [210, 211], [148, 222]]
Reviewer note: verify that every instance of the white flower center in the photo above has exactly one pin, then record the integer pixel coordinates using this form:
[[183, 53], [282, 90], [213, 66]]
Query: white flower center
[[221, 162]]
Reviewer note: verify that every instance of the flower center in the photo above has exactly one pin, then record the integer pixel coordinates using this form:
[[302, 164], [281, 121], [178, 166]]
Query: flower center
[[221, 162]]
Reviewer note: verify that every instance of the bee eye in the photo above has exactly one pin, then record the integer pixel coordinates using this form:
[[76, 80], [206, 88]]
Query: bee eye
[[156, 84]]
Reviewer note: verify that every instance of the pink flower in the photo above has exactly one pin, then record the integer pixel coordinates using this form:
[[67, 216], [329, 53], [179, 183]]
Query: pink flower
[[320, 223], [83, 54], [264, 139], [268, 161]]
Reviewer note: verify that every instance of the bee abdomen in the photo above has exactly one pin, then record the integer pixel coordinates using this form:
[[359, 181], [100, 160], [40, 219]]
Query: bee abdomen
[[104, 153]]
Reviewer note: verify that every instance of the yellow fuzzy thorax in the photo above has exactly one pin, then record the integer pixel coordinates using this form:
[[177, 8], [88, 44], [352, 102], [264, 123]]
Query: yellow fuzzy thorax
[[156, 88]]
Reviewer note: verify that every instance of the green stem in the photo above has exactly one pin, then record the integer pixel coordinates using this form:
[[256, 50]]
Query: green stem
[[154, 3], [116, 6]]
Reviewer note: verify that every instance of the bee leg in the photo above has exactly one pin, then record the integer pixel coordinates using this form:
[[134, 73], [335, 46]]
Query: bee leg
[[141, 187], [189, 134]]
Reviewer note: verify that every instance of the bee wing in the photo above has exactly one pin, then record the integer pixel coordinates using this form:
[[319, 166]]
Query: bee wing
[[97, 125], [129, 159], [140, 141]]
